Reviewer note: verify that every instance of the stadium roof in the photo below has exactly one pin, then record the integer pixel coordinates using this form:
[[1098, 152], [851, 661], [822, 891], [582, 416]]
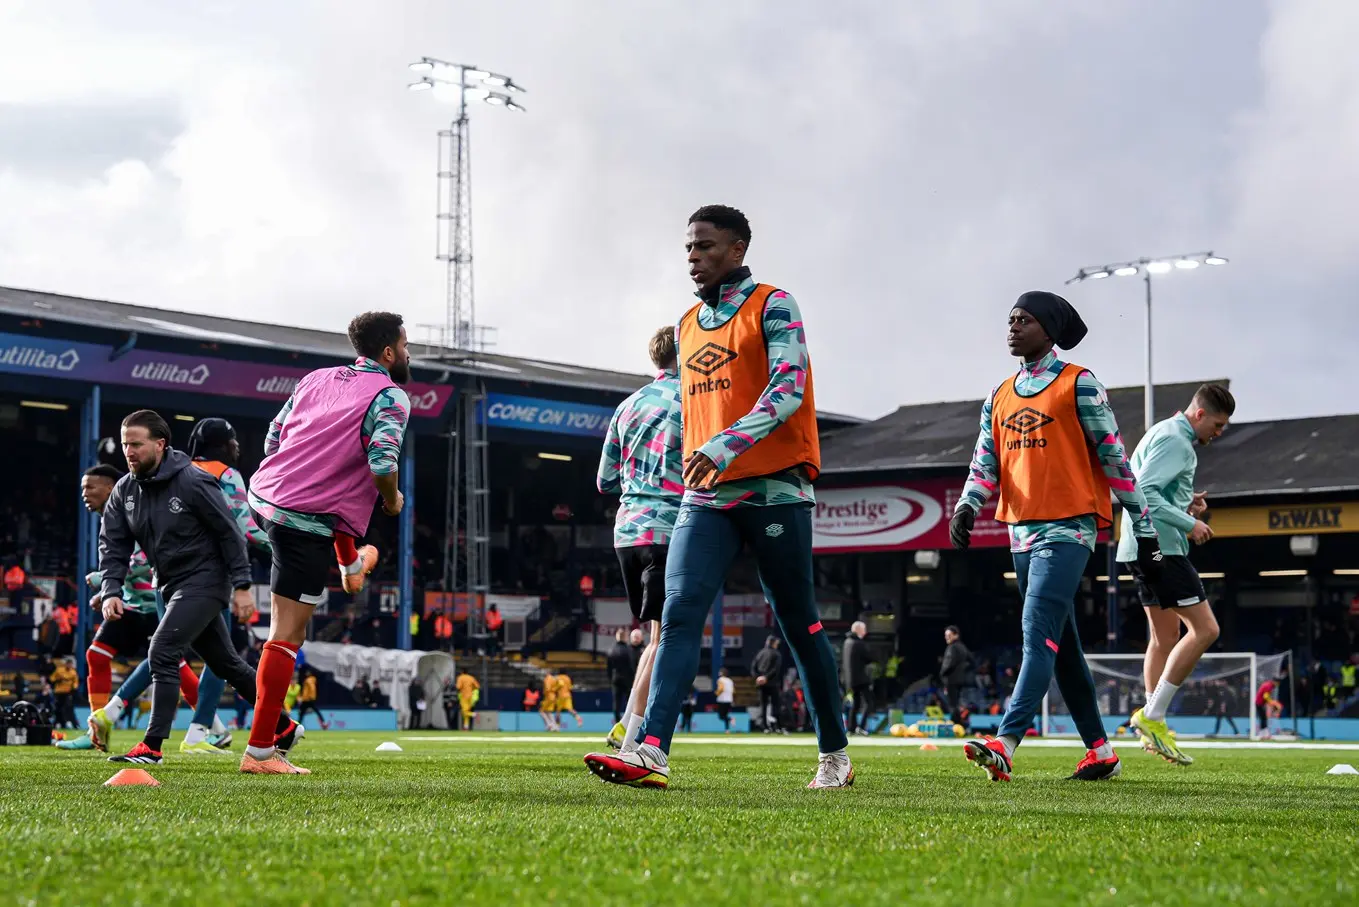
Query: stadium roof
[[1284, 457], [941, 435], [215, 329]]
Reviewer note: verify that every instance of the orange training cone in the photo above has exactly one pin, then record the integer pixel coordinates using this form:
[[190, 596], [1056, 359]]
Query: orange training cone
[[129, 777], [928, 747]]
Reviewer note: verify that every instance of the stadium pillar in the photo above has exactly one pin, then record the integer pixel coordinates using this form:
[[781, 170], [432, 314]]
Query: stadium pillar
[[1115, 632], [87, 526], [717, 637], [406, 546]]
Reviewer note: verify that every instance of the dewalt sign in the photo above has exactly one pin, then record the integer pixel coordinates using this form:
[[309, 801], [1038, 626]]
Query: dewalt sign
[[1297, 519]]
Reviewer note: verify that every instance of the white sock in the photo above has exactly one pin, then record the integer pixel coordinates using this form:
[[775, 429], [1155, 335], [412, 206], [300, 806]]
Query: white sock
[[1010, 743], [217, 726], [1104, 751], [654, 753], [1159, 702], [114, 709], [633, 727], [196, 734], [260, 752]]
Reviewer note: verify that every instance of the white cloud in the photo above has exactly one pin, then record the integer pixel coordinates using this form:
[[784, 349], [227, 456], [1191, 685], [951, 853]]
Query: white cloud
[[909, 169]]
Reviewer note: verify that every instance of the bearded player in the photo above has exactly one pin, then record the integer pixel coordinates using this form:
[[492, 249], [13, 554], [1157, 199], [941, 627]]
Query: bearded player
[[331, 453], [127, 636], [1165, 462]]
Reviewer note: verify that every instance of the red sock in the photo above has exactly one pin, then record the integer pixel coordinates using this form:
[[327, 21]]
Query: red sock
[[345, 551], [188, 684], [272, 677], [99, 661]]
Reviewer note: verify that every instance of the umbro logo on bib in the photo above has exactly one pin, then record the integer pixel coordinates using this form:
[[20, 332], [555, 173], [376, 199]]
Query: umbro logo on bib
[[1026, 420]]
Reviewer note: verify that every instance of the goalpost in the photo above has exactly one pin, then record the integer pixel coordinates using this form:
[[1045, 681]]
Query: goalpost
[[1219, 694]]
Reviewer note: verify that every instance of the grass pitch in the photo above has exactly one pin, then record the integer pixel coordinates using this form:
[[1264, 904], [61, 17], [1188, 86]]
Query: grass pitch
[[508, 820]]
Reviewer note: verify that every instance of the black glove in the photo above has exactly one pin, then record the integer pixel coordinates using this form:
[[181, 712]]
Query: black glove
[[1149, 558], [960, 527]]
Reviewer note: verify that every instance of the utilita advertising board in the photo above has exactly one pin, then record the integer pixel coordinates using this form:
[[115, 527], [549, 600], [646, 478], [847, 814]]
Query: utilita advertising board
[[896, 517], [52, 358]]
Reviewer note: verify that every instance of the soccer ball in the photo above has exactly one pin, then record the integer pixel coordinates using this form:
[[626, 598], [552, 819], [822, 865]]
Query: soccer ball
[[897, 730], [958, 730]]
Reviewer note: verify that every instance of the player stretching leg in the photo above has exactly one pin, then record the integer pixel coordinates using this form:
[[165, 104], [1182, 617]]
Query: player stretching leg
[[548, 707], [332, 450], [751, 452], [1050, 444], [564, 702], [179, 518], [643, 460], [1164, 463]]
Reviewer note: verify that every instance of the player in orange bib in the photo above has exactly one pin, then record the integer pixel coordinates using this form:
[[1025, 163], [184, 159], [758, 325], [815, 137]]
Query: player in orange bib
[[1050, 445]]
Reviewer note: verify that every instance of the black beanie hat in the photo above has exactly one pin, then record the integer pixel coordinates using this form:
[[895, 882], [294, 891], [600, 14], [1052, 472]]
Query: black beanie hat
[[1059, 318], [210, 436]]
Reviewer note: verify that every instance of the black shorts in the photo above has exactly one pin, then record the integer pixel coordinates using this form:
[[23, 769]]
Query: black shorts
[[1180, 586], [644, 578], [129, 634], [302, 563]]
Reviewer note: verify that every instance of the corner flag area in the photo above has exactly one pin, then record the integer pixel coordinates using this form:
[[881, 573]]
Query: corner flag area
[[469, 818]]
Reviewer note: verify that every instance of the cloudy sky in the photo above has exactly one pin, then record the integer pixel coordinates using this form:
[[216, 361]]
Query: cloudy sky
[[908, 169]]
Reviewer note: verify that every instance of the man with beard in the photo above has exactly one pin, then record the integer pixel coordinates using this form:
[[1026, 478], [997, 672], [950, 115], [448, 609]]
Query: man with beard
[[331, 452], [179, 518]]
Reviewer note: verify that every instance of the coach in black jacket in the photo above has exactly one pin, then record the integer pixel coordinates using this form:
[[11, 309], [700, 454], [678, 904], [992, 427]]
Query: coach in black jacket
[[854, 664], [177, 514]]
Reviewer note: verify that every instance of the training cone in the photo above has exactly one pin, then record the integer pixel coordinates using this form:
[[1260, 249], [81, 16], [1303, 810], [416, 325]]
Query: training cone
[[928, 748], [132, 777], [1343, 768], [388, 747]]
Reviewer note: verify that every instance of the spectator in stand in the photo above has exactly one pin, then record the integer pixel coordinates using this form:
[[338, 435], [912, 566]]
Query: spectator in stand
[[956, 670], [20, 686], [767, 668], [493, 624], [622, 671], [1348, 673], [857, 679], [64, 684], [531, 696], [363, 694]]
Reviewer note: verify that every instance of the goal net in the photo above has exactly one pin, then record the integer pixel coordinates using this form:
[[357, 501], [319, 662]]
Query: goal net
[[1216, 700]]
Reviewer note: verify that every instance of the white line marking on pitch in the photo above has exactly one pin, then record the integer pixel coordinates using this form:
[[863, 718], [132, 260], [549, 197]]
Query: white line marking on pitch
[[899, 742]]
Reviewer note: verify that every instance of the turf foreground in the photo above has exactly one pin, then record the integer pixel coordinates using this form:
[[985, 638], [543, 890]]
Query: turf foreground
[[456, 819]]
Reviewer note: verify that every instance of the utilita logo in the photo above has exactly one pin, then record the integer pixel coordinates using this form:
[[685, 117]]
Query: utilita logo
[[424, 402], [38, 359], [278, 385], [169, 373], [902, 513]]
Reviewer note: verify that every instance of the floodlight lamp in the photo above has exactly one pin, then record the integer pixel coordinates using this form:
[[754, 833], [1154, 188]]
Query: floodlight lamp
[[494, 100], [1215, 260], [479, 74], [477, 94], [424, 65], [511, 105], [497, 80], [1098, 274], [422, 85], [1186, 264], [1125, 271], [1158, 267]]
